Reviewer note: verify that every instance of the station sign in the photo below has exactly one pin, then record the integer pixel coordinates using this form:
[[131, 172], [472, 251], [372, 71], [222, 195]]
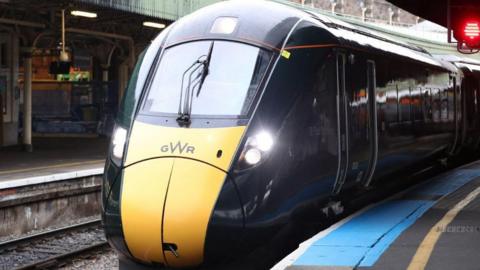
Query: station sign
[[464, 26]]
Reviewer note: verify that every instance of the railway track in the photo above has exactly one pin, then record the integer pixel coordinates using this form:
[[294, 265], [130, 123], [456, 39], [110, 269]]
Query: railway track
[[51, 248]]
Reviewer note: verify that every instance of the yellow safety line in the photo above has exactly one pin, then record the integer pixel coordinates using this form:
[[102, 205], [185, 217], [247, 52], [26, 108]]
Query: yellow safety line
[[424, 251], [53, 166]]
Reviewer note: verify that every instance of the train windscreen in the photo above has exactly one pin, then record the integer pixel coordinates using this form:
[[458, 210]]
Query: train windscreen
[[207, 78]]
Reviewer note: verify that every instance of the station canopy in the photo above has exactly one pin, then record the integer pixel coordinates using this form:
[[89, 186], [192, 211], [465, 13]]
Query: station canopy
[[165, 9], [119, 17]]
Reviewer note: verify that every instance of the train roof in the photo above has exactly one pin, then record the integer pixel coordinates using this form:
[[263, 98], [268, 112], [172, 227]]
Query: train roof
[[471, 65], [433, 43], [366, 38], [268, 24], [259, 22]]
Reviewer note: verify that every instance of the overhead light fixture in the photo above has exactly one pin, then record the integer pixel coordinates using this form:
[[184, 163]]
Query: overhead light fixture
[[83, 14], [154, 25]]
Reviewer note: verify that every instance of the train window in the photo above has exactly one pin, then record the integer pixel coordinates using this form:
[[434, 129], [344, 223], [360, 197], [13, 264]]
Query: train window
[[128, 101], [410, 107], [436, 111], [229, 85], [476, 97], [391, 104], [417, 104], [458, 100], [451, 101], [475, 102], [444, 105], [470, 107], [358, 122], [427, 105], [404, 104]]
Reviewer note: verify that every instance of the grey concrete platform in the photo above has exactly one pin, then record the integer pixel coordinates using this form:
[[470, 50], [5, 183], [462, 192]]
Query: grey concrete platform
[[52, 159], [434, 225], [57, 183]]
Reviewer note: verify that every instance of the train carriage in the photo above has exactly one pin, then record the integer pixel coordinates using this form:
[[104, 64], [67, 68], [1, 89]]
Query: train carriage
[[247, 116]]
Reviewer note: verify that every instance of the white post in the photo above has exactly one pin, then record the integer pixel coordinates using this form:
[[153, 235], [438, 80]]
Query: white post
[[105, 73], [122, 79], [364, 14], [391, 14], [334, 5], [27, 102]]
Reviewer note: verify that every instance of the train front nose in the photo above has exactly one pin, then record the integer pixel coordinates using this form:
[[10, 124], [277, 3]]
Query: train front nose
[[173, 181]]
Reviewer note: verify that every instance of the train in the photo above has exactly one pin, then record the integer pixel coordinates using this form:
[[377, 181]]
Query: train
[[245, 117]]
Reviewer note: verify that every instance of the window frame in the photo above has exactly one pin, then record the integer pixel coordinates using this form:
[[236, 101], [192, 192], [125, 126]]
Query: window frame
[[255, 101]]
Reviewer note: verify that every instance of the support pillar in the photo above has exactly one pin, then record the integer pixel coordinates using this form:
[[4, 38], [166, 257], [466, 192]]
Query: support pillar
[[27, 100], [334, 5], [391, 15], [105, 87], [1, 119], [417, 20], [364, 14]]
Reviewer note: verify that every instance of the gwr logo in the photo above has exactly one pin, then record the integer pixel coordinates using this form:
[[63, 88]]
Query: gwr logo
[[178, 146]]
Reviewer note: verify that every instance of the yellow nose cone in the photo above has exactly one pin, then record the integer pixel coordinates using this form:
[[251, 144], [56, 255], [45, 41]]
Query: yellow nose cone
[[192, 193], [171, 182], [143, 194]]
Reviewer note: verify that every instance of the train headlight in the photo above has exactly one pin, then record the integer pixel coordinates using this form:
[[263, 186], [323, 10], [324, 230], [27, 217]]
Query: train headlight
[[257, 147], [118, 144], [264, 141], [253, 156]]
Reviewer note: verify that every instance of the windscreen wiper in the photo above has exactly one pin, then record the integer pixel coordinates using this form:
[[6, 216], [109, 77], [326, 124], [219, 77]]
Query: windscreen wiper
[[205, 70], [184, 117], [199, 80], [193, 82]]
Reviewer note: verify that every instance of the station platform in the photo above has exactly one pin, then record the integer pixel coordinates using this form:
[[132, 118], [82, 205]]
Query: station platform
[[53, 159], [432, 225], [56, 184]]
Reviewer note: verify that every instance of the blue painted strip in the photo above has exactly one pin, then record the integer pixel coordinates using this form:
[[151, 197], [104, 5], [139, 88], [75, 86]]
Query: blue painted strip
[[446, 185], [362, 240], [332, 256], [360, 234], [374, 253]]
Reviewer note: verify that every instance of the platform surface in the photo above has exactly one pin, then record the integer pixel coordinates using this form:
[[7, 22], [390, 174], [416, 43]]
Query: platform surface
[[433, 225], [52, 159]]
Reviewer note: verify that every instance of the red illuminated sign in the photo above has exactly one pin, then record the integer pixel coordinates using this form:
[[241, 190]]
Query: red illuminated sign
[[471, 30], [463, 22], [468, 33]]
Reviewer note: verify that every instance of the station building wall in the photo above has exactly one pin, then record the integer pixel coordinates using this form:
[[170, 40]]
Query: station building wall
[[9, 89]]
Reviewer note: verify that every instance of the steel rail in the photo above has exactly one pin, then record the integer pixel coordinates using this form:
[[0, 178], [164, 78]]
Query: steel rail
[[15, 242], [55, 260]]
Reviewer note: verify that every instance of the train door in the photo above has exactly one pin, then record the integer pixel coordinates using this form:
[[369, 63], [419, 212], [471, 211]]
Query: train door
[[461, 108], [456, 124], [471, 112], [360, 121], [372, 121], [342, 124]]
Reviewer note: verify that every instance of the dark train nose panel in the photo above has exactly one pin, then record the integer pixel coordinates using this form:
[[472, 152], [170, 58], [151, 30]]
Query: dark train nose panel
[[226, 227]]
